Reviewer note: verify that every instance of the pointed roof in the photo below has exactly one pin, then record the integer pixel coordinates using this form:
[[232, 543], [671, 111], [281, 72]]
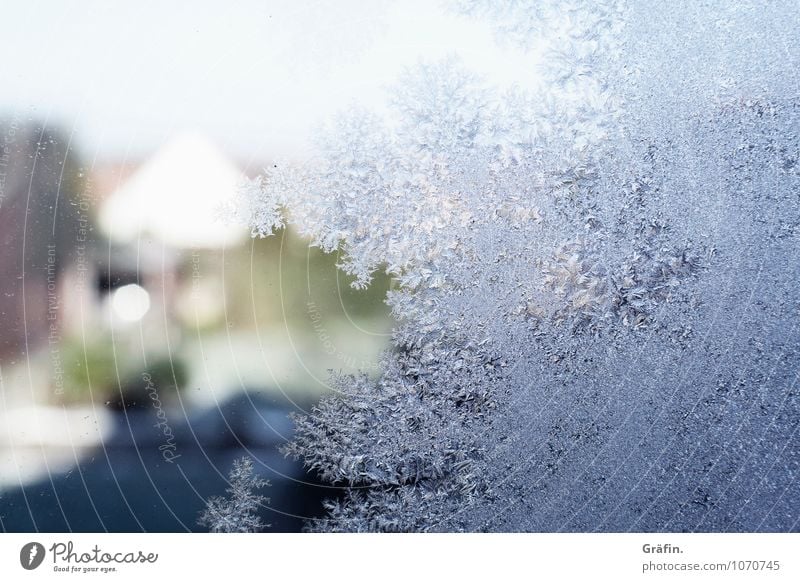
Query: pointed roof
[[178, 197]]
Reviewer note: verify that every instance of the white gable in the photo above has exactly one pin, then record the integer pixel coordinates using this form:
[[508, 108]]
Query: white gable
[[177, 198]]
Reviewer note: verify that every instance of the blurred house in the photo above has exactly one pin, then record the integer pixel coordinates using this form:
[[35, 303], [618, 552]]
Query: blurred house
[[160, 219], [163, 222]]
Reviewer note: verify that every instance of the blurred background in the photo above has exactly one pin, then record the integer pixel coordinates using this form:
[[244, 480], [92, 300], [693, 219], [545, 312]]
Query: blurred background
[[146, 340]]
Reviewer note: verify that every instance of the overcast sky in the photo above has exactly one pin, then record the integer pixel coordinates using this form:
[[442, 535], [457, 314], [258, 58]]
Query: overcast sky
[[255, 76]]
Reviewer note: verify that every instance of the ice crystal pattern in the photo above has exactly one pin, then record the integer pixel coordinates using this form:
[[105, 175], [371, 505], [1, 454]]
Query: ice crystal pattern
[[238, 512], [597, 316]]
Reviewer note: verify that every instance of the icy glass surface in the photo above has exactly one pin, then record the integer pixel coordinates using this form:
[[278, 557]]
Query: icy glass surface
[[597, 305]]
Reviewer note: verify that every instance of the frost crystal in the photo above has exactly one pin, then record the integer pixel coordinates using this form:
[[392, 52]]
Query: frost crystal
[[597, 312], [238, 513]]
